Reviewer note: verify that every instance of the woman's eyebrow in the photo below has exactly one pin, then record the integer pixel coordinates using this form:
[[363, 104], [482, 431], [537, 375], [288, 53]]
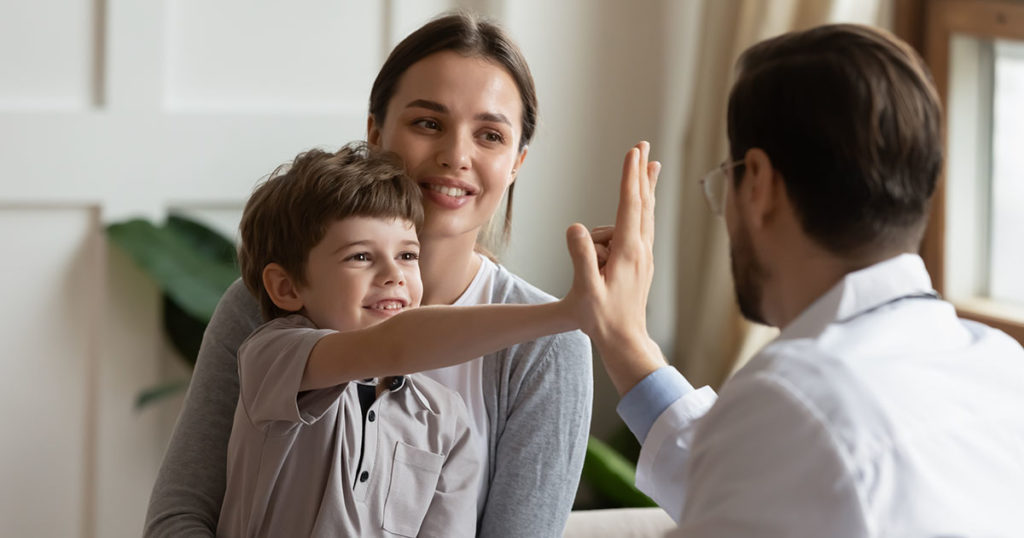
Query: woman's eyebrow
[[429, 105], [494, 117]]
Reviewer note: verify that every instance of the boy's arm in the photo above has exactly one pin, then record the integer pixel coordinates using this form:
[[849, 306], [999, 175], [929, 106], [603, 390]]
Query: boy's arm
[[430, 337], [189, 489]]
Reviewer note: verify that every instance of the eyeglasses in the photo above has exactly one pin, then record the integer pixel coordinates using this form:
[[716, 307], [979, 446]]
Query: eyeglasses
[[715, 186]]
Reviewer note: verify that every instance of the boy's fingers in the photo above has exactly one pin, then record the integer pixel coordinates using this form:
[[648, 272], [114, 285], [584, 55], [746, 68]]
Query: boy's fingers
[[602, 254], [601, 235], [584, 257]]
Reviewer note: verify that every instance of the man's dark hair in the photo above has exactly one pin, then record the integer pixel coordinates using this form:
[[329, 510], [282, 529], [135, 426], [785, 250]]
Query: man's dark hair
[[850, 118]]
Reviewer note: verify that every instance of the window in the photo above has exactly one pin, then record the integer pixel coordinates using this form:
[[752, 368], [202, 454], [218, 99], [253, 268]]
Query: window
[[974, 246]]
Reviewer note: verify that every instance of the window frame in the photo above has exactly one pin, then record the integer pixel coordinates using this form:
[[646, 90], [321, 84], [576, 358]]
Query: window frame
[[929, 25]]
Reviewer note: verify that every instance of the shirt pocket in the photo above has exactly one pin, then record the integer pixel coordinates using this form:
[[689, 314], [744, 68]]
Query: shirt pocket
[[414, 478]]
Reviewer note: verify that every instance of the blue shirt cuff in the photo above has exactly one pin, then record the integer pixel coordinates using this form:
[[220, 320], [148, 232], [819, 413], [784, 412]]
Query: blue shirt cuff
[[645, 402]]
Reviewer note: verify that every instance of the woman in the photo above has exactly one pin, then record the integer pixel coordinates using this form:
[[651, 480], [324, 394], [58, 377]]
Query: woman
[[456, 101]]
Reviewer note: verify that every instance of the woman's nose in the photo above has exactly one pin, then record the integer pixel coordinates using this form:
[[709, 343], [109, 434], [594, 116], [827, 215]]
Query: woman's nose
[[455, 152]]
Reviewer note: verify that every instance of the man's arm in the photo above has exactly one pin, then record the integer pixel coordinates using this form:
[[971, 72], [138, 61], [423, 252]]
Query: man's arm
[[764, 464], [539, 451], [189, 488], [663, 411]]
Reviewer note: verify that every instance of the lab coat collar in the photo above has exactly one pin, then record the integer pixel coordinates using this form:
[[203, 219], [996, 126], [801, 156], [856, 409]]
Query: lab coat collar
[[861, 291]]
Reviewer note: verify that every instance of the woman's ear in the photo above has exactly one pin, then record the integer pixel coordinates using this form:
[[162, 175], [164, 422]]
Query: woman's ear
[[372, 132], [281, 288], [519, 163]]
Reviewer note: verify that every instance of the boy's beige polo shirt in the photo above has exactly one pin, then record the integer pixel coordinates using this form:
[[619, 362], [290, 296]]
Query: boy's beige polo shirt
[[294, 465]]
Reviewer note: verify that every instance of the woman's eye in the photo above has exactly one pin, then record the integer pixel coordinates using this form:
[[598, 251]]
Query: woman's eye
[[427, 124], [493, 136]]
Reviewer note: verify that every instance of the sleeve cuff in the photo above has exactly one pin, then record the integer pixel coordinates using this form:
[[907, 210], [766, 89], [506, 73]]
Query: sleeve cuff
[[645, 402]]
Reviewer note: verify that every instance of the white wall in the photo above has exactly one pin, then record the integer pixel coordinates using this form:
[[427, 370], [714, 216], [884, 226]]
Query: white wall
[[117, 107]]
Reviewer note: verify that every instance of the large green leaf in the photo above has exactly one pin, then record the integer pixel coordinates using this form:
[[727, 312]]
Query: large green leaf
[[612, 475], [207, 242], [184, 331], [160, 392], [192, 280]]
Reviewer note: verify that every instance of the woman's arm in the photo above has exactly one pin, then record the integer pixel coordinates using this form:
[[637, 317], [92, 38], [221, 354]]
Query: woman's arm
[[544, 395], [189, 489], [430, 337]]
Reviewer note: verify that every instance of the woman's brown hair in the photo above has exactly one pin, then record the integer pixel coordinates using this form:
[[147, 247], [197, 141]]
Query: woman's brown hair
[[471, 36]]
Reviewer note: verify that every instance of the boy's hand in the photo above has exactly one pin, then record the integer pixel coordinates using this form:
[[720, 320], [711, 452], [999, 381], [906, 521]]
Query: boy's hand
[[610, 299]]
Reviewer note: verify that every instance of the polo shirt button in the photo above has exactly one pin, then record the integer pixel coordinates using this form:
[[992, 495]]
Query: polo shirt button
[[372, 416], [364, 477]]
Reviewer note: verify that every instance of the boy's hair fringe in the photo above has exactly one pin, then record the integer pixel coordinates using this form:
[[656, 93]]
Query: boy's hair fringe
[[289, 213]]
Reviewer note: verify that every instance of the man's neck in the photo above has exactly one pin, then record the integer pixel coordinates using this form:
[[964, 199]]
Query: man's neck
[[447, 266], [802, 279]]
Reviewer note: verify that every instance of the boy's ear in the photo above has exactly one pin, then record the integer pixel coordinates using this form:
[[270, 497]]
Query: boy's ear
[[281, 288]]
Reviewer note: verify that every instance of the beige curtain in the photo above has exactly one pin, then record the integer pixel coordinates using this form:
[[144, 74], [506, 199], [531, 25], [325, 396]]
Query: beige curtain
[[712, 338]]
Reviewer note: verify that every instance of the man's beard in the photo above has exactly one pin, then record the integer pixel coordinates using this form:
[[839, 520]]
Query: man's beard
[[748, 275]]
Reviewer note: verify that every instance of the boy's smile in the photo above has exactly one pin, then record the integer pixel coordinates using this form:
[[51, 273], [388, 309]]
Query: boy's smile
[[363, 271]]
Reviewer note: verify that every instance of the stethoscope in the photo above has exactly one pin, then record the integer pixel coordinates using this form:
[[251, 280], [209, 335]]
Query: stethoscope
[[920, 295]]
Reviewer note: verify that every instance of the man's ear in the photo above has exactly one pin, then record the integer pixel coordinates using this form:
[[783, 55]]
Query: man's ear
[[372, 132], [758, 192], [281, 288]]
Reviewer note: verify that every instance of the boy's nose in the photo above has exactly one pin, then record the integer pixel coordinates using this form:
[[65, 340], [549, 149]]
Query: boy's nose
[[391, 275]]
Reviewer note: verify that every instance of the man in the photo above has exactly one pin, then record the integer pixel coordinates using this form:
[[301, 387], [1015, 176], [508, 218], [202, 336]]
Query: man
[[876, 412]]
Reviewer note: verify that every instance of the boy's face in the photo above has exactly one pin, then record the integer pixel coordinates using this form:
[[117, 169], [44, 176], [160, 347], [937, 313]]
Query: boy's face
[[363, 271]]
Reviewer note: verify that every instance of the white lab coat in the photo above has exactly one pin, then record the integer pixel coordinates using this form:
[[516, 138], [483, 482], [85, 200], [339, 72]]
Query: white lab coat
[[877, 412]]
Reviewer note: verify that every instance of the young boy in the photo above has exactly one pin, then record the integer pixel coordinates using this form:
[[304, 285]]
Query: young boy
[[318, 446]]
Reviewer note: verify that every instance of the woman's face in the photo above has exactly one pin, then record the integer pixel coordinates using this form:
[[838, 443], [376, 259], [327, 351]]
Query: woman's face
[[456, 121]]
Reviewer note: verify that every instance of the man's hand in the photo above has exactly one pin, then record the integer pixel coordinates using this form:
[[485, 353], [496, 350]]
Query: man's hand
[[613, 272]]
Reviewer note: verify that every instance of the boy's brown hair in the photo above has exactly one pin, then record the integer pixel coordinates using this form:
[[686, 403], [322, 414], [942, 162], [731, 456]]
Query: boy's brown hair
[[289, 213]]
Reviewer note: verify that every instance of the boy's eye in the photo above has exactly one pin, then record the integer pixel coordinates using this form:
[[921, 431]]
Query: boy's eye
[[409, 256], [359, 257]]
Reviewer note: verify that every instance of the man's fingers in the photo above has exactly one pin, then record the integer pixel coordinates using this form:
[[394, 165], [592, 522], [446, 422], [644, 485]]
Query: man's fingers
[[647, 217], [627, 218], [584, 257]]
